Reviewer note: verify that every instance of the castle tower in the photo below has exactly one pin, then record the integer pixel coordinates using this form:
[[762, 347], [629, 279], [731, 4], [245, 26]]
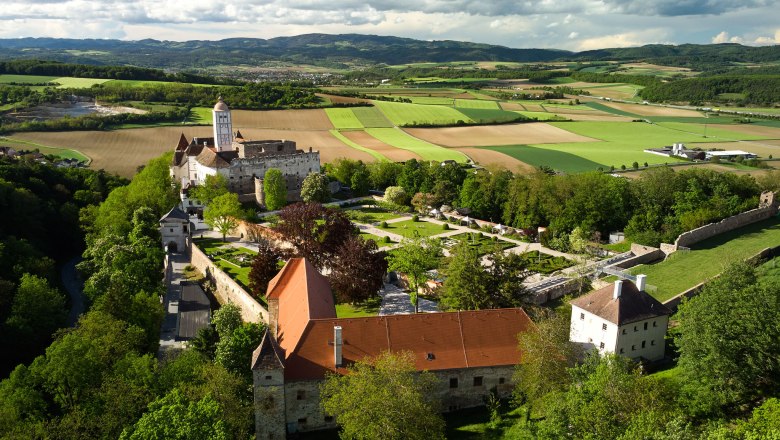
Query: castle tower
[[223, 126], [269, 400]]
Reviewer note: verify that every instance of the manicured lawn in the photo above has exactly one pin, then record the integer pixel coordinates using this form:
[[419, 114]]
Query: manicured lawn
[[380, 241], [368, 308], [227, 259], [482, 243], [409, 228], [26, 79], [371, 117], [400, 139], [379, 156], [343, 118], [410, 114], [476, 103], [685, 269], [368, 215]]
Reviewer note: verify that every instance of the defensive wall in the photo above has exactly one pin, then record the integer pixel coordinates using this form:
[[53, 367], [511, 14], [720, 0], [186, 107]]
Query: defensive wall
[[227, 290]]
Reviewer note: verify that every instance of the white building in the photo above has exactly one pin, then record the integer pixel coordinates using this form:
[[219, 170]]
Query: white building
[[175, 230], [621, 318], [242, 162]]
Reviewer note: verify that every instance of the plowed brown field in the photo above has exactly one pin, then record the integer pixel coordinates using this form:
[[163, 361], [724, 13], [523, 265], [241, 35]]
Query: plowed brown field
[[484, 156], [314, 119]]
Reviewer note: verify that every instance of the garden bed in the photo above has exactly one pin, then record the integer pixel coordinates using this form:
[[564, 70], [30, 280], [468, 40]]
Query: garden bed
[[545, 263]]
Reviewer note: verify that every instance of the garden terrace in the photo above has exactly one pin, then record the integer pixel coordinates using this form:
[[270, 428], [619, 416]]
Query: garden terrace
[[482, 243]]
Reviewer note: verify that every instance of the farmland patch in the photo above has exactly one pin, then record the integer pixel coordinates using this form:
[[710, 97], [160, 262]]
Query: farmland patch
[[510, 134], [428, 151]]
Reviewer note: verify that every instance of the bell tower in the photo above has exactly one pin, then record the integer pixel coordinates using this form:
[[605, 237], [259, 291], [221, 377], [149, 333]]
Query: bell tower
[[223, 126]]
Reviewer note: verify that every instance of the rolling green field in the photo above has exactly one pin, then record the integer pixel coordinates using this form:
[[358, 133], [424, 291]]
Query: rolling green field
[[379, 156], [711, 132], [26, 79], [78, 83], [431, 100], [542, 116], [476, 103], [491, 115], [400, 139], [64, 153], [768, 110], [709, 258], [549, 156], [200, 115], [410, 114], [343, 118], [371, 117], [144, 83], [610, 110]]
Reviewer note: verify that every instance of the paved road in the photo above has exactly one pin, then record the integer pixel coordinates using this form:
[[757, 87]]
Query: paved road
[[74, 285], [170, 323]]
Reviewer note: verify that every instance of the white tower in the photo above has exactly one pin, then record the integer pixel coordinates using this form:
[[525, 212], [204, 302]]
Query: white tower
[[223, 126]]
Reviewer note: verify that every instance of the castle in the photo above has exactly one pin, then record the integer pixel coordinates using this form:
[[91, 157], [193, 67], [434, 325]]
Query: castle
[[242, 162]]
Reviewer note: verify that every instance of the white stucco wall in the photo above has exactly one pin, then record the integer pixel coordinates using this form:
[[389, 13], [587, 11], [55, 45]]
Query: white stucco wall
[[651, 332], [589, 330]]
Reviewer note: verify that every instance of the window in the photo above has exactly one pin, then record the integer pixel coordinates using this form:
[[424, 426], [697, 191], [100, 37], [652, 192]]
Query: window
[[184, 228], [453, 382], [643, 344], [621, 351], [268, 378], [601, 346], [654, 324], [328, 419], [636, 329], [300, 395], [582, 316], [652, 342], [645, 326], [624, 331], [302, 421], [501, 380], [603, 326], [633, 348], [171, 229], [477, 381]]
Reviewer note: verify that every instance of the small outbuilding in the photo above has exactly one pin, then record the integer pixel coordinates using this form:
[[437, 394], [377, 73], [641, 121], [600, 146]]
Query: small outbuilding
[[175, 230]]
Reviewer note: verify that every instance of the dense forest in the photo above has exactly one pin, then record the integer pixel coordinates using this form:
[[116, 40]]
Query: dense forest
[[39, 232], [754, 89]]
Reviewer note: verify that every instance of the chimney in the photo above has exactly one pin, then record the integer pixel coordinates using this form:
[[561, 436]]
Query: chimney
[[337, 344], [618, 289], [641, 280]]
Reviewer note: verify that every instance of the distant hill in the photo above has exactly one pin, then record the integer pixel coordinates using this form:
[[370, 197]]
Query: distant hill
[[349, 50]]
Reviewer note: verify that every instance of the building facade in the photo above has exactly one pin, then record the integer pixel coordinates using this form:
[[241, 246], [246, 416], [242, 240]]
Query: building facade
[[175, 230], [471, 353], [243, 163], [621, 318]]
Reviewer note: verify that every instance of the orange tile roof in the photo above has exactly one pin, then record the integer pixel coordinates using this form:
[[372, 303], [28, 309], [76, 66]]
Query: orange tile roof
[[632, 305], [307, 316]]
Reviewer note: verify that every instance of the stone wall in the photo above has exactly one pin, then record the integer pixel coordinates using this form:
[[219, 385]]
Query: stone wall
[[767, 208], [643, 255], [304, 413], [227, 290], [555, 291]]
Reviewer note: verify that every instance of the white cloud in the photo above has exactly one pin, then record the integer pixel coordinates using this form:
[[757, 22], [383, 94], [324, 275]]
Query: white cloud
[[626, 39], [573, 35]]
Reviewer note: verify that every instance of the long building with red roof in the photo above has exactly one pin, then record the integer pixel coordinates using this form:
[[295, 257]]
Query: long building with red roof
[[471, 352]]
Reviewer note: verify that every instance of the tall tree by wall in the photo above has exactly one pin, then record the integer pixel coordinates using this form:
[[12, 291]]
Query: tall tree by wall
[[275, 189]]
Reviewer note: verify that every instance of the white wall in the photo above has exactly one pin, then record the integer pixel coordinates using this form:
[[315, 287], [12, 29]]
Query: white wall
[[633, 335], [588, 329]]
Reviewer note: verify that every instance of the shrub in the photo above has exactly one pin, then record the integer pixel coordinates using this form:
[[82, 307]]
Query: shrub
[[386, 239], [383, 224], [445, 226], [415, 218]]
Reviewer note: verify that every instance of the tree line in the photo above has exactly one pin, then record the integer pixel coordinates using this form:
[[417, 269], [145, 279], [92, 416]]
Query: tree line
[[754, 89]]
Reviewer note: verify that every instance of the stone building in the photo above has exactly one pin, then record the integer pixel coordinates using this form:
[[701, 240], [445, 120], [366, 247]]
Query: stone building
[[621, 318], [242, 162], [470, 352], [175, 230]]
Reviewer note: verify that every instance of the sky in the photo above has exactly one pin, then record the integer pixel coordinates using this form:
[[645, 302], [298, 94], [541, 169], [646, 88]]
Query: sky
[[562, 24]]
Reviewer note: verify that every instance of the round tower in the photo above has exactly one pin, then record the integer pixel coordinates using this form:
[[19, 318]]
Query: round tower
[[223, 126]]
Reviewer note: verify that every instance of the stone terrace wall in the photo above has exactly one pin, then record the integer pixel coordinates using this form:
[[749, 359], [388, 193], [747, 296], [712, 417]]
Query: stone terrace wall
[[643, 255], [228, 290], [686, 239]]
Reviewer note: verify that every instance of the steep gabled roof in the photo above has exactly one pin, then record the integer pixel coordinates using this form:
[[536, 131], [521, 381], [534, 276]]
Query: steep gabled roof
[[183, 143], [239, 135], [631, 306], [268, 355], [210, 158], [175, 214], [303, 294]]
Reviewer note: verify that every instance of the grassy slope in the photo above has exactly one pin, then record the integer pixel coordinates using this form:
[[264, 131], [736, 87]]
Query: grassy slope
[[409, 114], [475, 103], [343, 118], [371, 117], [683, 270], [426, 150]]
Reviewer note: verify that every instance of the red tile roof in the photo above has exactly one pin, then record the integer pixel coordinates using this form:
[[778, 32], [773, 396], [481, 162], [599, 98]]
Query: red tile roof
[[631, 306], [439, 341]]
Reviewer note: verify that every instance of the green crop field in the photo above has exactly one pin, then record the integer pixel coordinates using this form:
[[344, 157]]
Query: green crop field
[[476, 103], [541, 155], [78, 83], [767, 110], [431, 100], [64, 153], [26, 79], [379, 156], [200, 115], [709, 258], [343, 118], [611, 110], [542, 116], [712, 133], [489, 116], [371, 117], [411, 114], [400, 139]]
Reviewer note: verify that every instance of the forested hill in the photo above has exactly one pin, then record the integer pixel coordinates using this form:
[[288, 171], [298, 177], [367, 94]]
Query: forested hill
[[349, 49]]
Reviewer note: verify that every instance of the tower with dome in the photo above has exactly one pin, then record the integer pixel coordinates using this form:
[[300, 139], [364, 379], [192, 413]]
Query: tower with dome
[[242, 162]]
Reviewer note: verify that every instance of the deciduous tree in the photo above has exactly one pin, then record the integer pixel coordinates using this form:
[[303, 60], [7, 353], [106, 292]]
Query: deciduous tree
[[223, 213], [385, 398], [414, 258], [274, 189], [315, 188], [265, 266], [314, 231], [357, 270], [213, 186]]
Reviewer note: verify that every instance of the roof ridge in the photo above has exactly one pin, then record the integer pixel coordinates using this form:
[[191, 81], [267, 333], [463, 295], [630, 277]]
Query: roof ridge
[[463, 340]]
